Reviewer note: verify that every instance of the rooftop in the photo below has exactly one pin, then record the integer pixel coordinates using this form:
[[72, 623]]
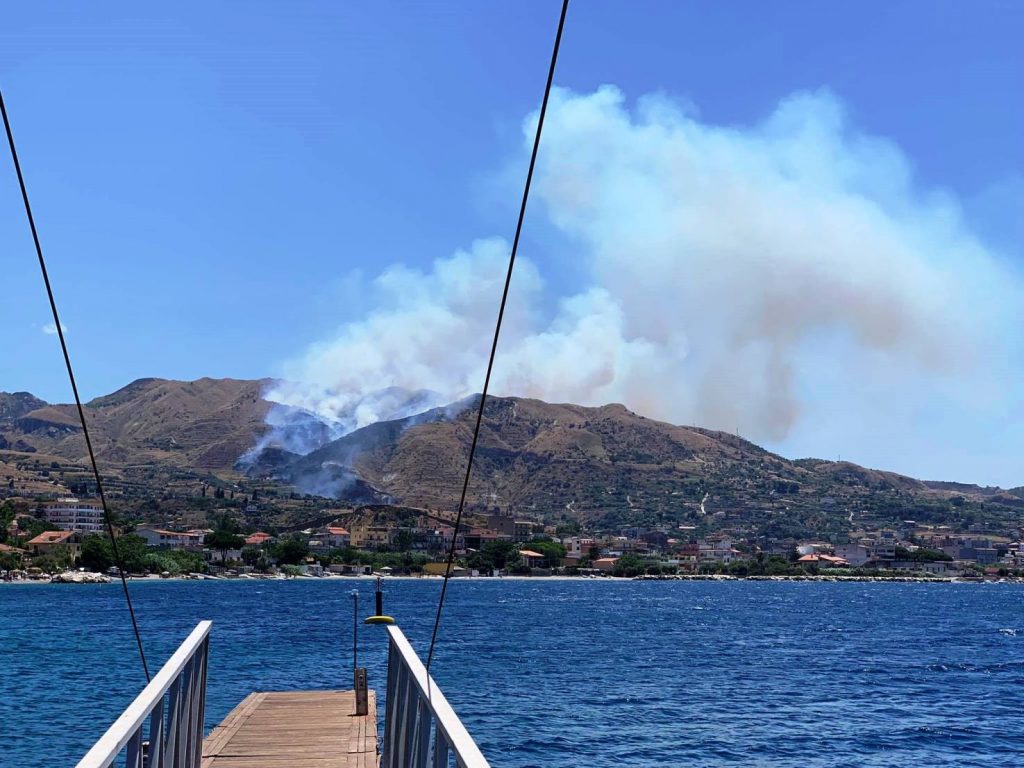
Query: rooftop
[[52, 537], [823, 559]]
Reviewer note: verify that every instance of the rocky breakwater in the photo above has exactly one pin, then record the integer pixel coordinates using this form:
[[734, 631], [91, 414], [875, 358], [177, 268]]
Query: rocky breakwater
[[920, 579], [805, 577], [79, 577]]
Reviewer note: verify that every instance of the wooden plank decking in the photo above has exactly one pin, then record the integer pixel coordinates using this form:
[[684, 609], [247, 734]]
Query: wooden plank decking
[[292, 729]]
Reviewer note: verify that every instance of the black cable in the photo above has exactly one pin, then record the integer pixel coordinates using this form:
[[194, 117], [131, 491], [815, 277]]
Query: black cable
[[497, 328], [74, 386]]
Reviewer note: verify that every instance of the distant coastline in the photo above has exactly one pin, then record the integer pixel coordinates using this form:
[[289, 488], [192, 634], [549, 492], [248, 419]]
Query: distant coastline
[[897, 579]]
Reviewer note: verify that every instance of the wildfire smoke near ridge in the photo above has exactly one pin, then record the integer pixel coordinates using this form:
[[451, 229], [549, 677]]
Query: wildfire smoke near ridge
[[791, 279], [171, 448]]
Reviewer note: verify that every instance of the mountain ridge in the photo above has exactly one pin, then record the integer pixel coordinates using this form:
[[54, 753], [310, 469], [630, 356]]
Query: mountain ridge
[[564, 461], [600, 466]]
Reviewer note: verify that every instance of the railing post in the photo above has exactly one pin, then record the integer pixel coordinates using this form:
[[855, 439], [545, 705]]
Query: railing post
[[424, 721], [420, 727], [402, 722], [440, 750], [173, 721], [409, 716], [156, 736], [171, 707], [391, 713], [204, 656], [189, 752], [133, 753], [184, 702]]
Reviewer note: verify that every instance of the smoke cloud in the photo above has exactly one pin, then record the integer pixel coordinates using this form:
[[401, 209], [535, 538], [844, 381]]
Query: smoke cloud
[[723, 268]]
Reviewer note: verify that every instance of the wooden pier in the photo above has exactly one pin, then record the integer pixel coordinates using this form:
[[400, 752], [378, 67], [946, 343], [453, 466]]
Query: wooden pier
[[163, 726], [293, 729]]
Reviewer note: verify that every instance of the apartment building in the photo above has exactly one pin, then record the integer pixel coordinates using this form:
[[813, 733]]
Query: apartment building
[[76, 515]]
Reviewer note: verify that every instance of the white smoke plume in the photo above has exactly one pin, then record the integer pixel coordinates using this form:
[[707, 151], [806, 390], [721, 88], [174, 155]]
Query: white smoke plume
[[723, 267]]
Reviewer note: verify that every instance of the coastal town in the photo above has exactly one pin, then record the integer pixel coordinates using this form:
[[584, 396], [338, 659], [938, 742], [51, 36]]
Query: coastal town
[[50, 540]]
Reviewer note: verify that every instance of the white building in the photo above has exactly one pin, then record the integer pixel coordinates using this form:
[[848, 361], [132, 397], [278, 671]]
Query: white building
[[877, 551], [717, 549], [74, 515], [158, 537], [855, 554], [578, 546], [338, 537], [814, 548]]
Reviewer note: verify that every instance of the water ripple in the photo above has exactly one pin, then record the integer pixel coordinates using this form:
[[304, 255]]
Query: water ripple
[[560, 673]]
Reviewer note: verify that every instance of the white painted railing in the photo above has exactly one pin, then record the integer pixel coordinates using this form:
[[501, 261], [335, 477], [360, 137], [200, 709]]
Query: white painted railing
[[421, 730], [168, 714]]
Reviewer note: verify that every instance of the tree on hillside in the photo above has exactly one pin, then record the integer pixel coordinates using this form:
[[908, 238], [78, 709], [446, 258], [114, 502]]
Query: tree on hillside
[[256, 558], [133, 552], [32, 527], [57, 559], [480, 562], [97, 554], [290, 551], [922, 555], [188, 562], [554, 553], [495, 554], [629, 565], [225, 536], [251, 555], [404, 540], [502, 553], [7, 513], [10, 561]]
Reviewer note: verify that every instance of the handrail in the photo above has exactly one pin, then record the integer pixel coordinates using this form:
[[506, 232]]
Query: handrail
[[175, 740], [420, 727]]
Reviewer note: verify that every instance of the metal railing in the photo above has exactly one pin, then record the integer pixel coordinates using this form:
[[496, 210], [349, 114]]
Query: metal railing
[[163, 727], [421, 730]]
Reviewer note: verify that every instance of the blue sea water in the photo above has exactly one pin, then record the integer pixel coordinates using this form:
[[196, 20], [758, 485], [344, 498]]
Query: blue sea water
[[564, 673]]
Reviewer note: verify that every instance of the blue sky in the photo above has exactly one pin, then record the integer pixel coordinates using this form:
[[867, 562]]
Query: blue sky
[[217, 184]]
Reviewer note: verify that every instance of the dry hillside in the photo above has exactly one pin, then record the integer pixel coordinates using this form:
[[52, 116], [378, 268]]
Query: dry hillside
[[611, 467], [172, 446], [205, 424]]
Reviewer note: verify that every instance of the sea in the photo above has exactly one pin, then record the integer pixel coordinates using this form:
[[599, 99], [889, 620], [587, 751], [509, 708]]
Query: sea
[[560, 672]]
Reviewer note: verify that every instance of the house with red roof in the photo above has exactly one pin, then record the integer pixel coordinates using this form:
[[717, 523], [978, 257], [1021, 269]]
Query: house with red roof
[[48, 541], [532, 559], [337, 537], [258, 539], [824, 561]]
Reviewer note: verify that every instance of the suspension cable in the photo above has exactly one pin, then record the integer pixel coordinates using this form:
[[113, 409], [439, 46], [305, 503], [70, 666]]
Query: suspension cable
[[74, 385], [497, 329]]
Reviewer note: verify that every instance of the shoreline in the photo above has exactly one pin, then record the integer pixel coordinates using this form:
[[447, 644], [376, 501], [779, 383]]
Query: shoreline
[[609, 579]]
